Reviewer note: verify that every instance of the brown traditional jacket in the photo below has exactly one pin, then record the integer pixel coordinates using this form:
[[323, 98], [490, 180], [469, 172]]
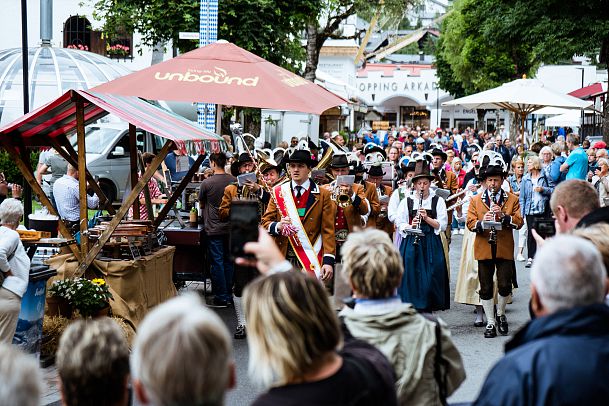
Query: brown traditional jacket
[[381, 223], [355, 210], [231, 192], [319, 219], [505, 240]]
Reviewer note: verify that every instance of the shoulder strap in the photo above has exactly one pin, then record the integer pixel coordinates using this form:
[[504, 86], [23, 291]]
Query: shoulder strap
[[410, 204], [437, 370], [434, 202]]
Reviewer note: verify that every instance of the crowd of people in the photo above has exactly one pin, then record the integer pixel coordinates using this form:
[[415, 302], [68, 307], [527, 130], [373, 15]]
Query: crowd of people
[[340, 298]]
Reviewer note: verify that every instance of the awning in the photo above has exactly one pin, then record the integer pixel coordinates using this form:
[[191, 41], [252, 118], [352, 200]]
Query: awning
[[587, 91], [59, 118]]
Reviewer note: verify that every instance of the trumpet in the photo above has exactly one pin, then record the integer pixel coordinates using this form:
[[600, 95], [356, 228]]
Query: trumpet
[[417, 238], [342, 195], [461, 193]]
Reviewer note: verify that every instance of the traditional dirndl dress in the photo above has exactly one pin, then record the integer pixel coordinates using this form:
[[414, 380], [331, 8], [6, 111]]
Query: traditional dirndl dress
[[425, 280]]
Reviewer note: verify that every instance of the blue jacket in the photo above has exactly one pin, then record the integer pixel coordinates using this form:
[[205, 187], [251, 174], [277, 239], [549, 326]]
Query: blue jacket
[[559, 359], [526, 193], [555, 174]]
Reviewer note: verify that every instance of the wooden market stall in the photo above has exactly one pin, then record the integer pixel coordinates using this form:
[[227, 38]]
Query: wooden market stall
[[50, 126]]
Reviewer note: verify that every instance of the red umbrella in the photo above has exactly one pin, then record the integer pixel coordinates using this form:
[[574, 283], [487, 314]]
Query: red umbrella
[[223, 73]]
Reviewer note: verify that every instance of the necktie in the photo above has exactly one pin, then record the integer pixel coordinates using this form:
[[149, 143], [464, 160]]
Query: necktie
[[298, 191]]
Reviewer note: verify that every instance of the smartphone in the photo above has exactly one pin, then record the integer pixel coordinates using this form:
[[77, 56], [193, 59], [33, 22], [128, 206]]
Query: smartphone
[[545, 227], [244, 226]]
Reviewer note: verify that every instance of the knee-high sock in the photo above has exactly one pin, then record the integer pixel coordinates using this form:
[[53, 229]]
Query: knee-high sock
[[479, 313], [489, 311], [501, 305], [239, 311]]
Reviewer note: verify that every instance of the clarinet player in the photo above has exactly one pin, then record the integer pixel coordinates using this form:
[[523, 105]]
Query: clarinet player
[[420, 220], [494, 249]]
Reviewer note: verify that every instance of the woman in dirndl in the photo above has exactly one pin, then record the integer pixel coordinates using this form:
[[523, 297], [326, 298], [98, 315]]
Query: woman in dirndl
[[421, 218]]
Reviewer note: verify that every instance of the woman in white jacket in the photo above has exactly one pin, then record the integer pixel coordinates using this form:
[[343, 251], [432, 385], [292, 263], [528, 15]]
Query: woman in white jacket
[[15, 266]]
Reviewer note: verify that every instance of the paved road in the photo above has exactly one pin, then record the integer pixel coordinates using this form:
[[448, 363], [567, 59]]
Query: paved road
[[479, 354]]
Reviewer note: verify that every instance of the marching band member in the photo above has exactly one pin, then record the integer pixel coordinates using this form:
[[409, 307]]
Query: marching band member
[[446, 180], [301, 219], [494, 249], [383, 194], [403, 190], [369, 190], [250, 191], [421, 218]]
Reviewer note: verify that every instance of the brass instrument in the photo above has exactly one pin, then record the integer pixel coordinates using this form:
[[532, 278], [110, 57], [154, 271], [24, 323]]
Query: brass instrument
[[342, 195], [461, 193], [417, 237], [324, 162], [383, 213]]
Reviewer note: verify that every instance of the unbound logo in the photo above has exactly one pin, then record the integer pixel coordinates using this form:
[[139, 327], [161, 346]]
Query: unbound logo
[[220, 77]]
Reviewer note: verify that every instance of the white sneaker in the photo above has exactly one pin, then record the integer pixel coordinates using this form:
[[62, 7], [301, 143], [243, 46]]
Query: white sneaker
[[520, 258]]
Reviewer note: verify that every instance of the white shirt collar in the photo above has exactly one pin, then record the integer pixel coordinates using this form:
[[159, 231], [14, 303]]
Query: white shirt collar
[[306, 185]]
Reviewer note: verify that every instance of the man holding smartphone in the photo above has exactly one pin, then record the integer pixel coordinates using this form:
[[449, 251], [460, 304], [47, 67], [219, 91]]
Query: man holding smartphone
[[301, 219]]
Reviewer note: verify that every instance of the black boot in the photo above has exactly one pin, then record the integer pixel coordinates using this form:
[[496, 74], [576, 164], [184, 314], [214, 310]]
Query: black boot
[[240, 333]]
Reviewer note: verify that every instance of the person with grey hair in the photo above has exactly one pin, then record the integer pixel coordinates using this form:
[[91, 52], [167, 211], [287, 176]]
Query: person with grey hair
[[561, 357], [14, 268], [20, 378], [182, 355], [93, 364]]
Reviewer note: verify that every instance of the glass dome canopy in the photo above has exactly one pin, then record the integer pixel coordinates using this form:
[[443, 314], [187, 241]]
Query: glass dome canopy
[[52, 71]]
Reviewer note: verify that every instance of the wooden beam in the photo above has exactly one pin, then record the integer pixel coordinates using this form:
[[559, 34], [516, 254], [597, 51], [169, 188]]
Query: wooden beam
[[28, 175], [70, 155], [135, 192], [178, 191], [82, 180], [147, 199], [133, 167]]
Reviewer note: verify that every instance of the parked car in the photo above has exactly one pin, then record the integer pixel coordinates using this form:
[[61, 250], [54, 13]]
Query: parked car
[[107, 152]]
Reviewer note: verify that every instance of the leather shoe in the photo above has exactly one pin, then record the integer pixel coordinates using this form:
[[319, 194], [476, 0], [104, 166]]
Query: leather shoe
[[502, 325], [490, 331], [240, 333]]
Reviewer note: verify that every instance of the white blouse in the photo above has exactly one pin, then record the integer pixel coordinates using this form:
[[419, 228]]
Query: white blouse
[[402, 220], [394, 202]]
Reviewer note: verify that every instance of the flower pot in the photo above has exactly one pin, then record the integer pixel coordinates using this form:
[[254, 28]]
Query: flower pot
[[58, 306], [105, 312]]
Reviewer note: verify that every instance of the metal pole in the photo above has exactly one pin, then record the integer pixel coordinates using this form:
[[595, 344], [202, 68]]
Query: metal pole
[[581, 128], [27, 190]]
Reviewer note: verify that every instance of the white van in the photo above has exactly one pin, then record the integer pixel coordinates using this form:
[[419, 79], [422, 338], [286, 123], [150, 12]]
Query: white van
[[107, 151]]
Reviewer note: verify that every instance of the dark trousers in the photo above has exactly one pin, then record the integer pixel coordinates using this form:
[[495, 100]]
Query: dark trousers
[[221, 267], [486, 271], [531, 244], [243, 276]]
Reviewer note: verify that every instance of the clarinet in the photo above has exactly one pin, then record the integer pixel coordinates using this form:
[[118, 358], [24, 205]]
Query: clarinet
[[492, 237], [417, 238]]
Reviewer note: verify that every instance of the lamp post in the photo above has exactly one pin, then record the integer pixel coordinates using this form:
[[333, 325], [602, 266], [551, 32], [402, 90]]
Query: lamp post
[[27, 191], [581, 128], [438, 112]]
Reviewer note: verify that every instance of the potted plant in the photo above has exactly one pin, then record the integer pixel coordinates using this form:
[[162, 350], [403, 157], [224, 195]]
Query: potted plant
[[117, 51], [88, 297]]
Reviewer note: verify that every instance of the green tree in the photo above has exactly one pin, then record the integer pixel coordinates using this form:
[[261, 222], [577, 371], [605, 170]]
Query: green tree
[[326, 23], [268, 28]]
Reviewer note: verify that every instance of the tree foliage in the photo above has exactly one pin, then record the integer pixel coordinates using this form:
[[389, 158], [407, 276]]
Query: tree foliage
[[488, 42], [269, 28]]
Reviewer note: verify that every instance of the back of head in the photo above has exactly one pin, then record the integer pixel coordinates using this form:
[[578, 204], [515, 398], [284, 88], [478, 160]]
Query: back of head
[[218, 158], [20, 378], [148, 157], [568, 272], [372, 263], [93, 363], [597, 234], [291, 327], [578, 197], [182, 354], [11, 211], [573, 139]]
